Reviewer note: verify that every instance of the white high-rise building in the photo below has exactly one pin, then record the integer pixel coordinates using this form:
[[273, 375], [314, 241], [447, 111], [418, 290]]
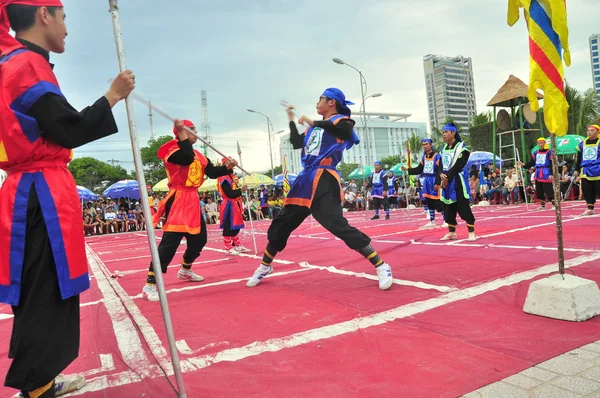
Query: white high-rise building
[[594, 42], [450, 89], [388, 133]]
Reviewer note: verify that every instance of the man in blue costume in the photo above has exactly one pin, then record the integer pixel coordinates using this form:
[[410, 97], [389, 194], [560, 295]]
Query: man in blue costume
[[317, 189], [429, 170], [379, 190]]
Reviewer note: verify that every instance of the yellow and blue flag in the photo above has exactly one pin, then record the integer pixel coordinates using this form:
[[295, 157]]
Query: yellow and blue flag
[[548, 44]]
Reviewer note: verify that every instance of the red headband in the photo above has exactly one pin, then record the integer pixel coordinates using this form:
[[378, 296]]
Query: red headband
[[7, 42], [186, 123]]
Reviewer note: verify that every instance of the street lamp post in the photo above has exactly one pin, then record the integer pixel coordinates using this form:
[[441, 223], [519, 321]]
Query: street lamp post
[[269, 134], [363, 116]]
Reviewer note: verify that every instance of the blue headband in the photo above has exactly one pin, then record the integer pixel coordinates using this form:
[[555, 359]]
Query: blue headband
[[428, 140], [450, 127], [338, 95], [377, 163]]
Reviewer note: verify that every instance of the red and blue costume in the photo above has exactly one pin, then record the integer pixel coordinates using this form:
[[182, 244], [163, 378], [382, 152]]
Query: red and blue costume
[[33, 161]]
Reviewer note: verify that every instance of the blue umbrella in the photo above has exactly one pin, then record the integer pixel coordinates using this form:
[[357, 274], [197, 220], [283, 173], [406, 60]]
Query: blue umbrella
[[482, 157], [85, 194], [123, 189], [279, 179]]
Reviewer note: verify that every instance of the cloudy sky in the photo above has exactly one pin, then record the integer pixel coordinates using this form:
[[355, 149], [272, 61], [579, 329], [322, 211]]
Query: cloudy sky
[[252, 54]]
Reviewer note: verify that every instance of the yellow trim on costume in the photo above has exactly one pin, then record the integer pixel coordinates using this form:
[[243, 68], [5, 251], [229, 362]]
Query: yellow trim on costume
[[3, 156], [371, 255], [38, 392], [269, 255], [379, 263]]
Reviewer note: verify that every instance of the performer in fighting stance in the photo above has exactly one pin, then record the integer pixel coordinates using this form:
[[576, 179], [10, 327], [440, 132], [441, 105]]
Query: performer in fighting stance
[[180, 209], [231, 212], [43, 263], [430, 169], [317, 188]]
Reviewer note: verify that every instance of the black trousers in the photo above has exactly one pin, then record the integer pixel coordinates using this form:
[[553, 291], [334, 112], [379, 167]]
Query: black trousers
[[591, 189], [434, 204], [45, 335], [462, 206], [170, 243], [326, 209], [377, 202], [544, 188]]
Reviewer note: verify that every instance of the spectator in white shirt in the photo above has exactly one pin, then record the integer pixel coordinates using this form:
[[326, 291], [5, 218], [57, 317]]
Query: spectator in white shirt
[[511, 186]]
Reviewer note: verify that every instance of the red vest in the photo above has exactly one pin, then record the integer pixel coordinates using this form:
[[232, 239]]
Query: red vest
[[184, 182], [231, 210], [32, 161]]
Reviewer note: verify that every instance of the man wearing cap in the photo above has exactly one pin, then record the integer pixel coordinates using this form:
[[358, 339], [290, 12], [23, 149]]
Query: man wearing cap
[[542, 160], [429, 168], [456, 191], [317, 187], [186, 168], [231, 212], [43, 264], [379, 185], [588, 167]]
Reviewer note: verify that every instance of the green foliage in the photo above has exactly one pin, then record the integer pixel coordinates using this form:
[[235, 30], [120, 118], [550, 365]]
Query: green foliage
[[95, 174], [582, 109], [347, 168], [482, 118], [276, 171], [154, 170]]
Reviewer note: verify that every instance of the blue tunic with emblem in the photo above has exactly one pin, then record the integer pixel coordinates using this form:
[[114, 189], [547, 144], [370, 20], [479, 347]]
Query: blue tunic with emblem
[[430, 168], [321, 153], [377, 184], [590, 160], [392, 186], [542, 165]]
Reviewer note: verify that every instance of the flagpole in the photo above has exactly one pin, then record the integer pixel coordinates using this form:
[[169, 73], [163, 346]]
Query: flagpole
[[139, 168], [239, 150]]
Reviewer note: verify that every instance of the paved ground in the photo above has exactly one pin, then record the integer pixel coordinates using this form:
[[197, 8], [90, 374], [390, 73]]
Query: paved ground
[[573, 374]]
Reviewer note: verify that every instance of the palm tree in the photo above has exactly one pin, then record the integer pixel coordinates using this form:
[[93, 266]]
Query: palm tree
[[415, 146], [482, 118], [582, 109]]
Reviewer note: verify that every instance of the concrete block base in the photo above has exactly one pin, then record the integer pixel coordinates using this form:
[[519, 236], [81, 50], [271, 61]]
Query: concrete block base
[[570, 299]]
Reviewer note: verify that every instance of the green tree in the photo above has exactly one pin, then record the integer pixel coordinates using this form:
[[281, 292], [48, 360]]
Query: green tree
[[415, 147], [276, 171], [154, 170], [582, 109], [482, 118], [95, 174], [390, 161], [347, 168]]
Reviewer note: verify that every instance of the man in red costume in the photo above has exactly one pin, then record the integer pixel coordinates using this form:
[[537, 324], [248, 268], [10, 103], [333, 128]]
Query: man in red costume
[[186, 169], [43, 265], [231, 212]]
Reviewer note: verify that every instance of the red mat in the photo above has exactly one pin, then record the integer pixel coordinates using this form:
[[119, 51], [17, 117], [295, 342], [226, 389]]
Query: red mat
[[313, 332]]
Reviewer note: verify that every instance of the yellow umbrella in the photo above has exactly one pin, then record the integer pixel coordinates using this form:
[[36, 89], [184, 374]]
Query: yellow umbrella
[[208, 185], [255, 180], [161, 186]]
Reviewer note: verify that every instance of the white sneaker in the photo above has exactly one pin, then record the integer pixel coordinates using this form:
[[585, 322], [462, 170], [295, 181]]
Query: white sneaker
[[445, 225], [242, 249], [260, 273], [450, 236], [384, 273], [472, 237], [430, 224], [150, 293], [64, 384], [189, 275], [588, 213], [232, 252]]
